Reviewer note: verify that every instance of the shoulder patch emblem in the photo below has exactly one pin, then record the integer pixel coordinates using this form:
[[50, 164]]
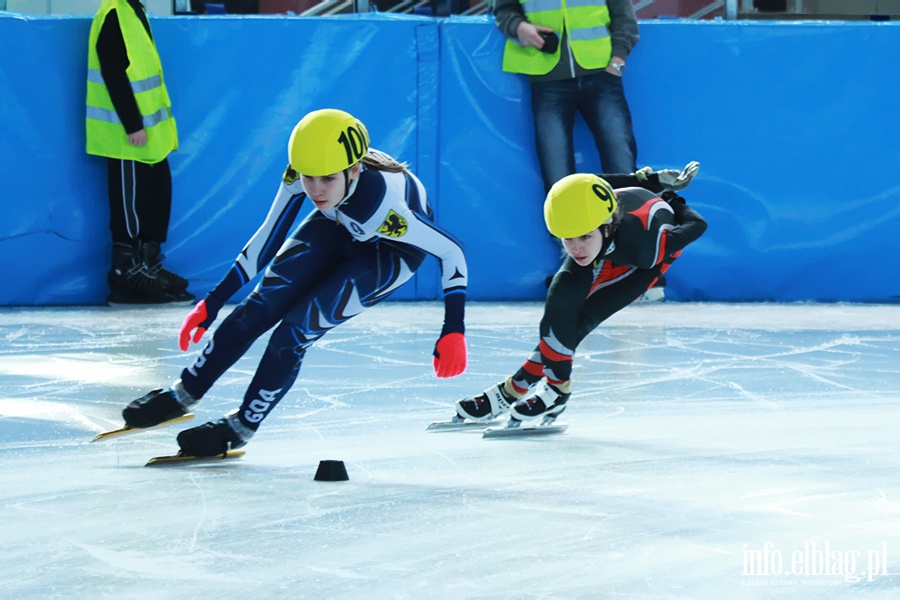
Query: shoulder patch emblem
[[394, 225], [290, 176]]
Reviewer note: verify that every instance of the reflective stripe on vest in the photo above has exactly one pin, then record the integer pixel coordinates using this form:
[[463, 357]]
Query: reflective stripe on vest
[[94, 76], [535, 6], [586, 23], [593, 33], [105, 134], [110, 116]]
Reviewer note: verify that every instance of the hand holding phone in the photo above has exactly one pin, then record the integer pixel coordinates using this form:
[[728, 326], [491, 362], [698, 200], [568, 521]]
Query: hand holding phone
[[551, 42]]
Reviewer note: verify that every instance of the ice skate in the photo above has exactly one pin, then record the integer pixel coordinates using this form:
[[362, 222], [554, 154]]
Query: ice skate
[[478, 412], [654, 294], [215, 438], [495, 401], [548, 402], [157, 407]]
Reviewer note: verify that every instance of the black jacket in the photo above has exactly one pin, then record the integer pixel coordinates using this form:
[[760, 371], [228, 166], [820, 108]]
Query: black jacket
[[113, 56]]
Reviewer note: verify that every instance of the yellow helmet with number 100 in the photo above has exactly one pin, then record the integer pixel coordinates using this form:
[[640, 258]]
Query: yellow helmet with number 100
[[326, 142], [578, 204]]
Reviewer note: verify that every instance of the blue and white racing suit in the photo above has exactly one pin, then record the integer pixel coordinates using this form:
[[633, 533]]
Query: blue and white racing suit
[[334, 265]]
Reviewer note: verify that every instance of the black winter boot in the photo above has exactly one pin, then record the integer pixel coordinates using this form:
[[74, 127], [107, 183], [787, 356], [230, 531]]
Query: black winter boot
[[153, 257], [131, 282]]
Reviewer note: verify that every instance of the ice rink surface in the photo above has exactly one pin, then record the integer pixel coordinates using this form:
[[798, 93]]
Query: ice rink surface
[[714, 451]]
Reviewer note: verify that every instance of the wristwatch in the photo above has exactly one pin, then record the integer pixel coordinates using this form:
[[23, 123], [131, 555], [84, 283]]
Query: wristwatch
[[620, 67]]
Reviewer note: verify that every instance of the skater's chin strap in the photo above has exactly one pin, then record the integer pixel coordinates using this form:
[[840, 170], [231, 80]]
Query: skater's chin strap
[[349, 185]]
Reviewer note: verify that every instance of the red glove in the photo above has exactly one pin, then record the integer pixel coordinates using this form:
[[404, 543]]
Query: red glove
[[194, 320], [450, 355]]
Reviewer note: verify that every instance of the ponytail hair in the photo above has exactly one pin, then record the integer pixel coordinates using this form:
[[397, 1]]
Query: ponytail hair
[[375, 159]]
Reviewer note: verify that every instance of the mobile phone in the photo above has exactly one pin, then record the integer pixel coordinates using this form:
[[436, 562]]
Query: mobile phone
[[551, 42]]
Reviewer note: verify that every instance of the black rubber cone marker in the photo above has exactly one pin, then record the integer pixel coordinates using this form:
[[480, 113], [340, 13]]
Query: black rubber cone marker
[[331, 470]]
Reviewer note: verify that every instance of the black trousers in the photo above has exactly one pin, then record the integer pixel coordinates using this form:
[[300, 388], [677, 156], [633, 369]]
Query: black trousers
[[140, 200]]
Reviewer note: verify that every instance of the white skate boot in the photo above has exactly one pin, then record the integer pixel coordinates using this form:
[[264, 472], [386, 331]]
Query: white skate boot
[[495, 401], [548, 402]]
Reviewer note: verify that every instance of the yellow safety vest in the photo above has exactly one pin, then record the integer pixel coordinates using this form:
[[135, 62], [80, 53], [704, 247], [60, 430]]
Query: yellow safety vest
[[105, 133], [586, 23]]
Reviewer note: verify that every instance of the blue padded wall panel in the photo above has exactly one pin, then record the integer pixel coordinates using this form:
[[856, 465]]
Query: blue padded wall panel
[[238, 86], [796, 181]]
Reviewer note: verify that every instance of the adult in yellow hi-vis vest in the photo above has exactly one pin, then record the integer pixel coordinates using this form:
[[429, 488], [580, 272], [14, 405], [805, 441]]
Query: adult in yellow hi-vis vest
[[129, 121], [574, 53]]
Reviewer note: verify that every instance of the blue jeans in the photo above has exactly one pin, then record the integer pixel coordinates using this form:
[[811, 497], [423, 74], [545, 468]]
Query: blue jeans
[[600, 98]]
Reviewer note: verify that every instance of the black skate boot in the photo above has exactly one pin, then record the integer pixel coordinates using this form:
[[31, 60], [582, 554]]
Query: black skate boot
[[153, 258], [216, 437], [158, 406], [131, 282], [492, 403], [549, 402]]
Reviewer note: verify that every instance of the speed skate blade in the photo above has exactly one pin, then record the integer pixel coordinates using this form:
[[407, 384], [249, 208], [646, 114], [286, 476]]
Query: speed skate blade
[[524, 430], [176, 459], [461, 425], [126, 430]]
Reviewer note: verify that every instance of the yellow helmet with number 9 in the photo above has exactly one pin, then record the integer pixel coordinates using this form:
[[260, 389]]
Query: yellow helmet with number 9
[[326, 142], [578, 204]]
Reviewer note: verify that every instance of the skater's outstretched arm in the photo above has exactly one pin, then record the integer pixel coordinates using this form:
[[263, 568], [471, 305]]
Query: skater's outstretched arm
[[655, 181], [253, 258]]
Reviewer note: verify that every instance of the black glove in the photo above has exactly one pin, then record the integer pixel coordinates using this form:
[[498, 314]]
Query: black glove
[[683, 212], [672, 198]]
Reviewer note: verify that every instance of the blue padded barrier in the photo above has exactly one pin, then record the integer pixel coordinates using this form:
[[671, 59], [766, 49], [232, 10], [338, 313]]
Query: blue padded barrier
[[797, 151], [238, 87]]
